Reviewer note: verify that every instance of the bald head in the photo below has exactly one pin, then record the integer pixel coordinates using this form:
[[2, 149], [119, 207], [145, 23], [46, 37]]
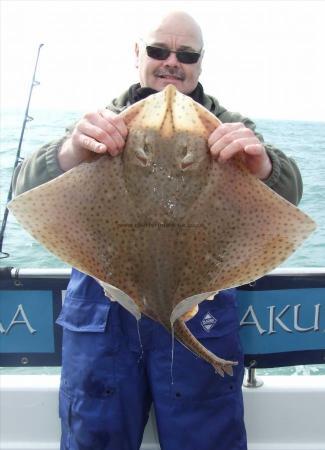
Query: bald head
[[175, 22], [177, 32]]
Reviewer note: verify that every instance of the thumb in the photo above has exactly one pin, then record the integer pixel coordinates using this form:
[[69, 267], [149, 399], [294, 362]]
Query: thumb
[[254, 149]]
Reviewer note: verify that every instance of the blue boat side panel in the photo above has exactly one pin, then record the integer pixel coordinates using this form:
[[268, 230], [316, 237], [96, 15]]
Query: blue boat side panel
[[28, 333], [26, 321], [282, 321]]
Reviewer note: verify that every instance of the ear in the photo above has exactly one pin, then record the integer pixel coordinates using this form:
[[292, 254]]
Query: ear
[[201, 58], [136, 50]]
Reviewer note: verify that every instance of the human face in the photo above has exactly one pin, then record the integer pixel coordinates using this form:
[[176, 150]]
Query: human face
[[157, 74]]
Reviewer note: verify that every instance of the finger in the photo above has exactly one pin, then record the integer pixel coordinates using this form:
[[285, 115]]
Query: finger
[[234, 148], [222, 130], [108, 125], [88, 143], [112, 140], [116, 121], [257, 149], [114, 133], [232, 136]]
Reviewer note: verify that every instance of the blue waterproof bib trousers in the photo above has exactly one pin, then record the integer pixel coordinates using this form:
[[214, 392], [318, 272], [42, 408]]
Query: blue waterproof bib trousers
[[109, 379]]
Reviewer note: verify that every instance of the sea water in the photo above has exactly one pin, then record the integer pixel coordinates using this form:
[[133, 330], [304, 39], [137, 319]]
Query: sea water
[[302, 140]]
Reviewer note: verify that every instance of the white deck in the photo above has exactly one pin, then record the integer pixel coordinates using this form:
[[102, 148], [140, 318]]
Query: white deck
[[286, 413]]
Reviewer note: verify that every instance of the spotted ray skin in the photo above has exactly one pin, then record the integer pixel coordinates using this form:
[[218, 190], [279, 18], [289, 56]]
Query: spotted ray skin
[[163, 226]]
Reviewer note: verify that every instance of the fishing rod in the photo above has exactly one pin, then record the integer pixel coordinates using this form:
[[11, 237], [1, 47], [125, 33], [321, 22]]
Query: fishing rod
[[27, 118]]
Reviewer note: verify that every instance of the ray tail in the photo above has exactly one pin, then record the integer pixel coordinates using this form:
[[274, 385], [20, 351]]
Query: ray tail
[[184, 335]]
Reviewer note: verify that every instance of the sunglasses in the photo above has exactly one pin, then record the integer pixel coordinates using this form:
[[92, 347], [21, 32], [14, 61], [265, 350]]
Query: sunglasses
[[181, 55]]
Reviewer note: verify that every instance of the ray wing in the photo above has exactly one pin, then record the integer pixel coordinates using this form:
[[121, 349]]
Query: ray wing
[[82, 218], [237, 231]]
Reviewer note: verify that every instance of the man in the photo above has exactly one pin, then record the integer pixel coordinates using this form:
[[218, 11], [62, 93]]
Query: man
[[109, 379]]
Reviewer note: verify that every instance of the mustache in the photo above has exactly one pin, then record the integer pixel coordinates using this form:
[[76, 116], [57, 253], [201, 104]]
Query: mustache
[[170, 71]]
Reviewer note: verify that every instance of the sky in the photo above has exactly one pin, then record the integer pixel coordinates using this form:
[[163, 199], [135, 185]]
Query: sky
[[264, 59]]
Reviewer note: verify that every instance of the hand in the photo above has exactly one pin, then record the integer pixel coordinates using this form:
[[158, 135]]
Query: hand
[[99, 132], [230, 139]]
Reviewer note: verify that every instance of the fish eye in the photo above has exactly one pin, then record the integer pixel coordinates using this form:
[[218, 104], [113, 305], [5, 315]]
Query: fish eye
[[187, 156], [142, 153], [146, 147], [184, 150]]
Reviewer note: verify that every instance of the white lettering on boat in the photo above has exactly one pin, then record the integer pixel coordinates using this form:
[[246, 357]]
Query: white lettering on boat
[[19, 318], [279, 319]]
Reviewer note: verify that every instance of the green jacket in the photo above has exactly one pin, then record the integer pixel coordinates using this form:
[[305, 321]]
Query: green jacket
[[43, 166]]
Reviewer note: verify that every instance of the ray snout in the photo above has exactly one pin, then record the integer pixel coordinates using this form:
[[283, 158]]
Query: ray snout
[[170, 112]]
